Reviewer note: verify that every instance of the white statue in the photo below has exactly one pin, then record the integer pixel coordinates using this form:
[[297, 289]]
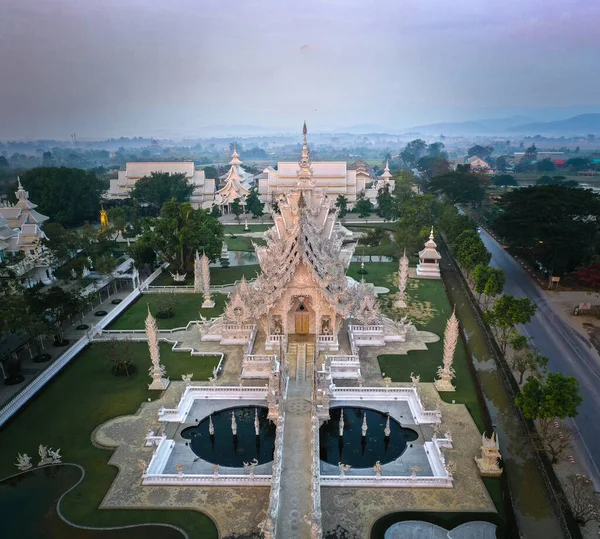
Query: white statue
[[211, 427], [256, 422], [179, 468], [377, 468], [415, 470], [250, 466], [44, 457], [387, 431], [490, 455], [187, 378], [215, 470], [233, 424], [208, 302], [415, 379], [343, 468], [445, 372], [402, 280], [142, 466], [364, 425], [341, 423], [212, 380], [55, 456], [23, 462], [178, 277], [387, 381], [197, 274]]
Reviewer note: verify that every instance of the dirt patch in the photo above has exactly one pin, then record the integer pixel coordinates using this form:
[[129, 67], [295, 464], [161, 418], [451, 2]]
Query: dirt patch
[[418, 312]]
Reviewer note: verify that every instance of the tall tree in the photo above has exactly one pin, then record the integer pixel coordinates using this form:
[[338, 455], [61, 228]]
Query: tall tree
[[553, 225], [69, 196], [505, 180], [461, 186], [161, 187], [470, 251], [341, 203], [253, 203], [525, 358], [364, 207], [414, 150], [507, 313], [237, 209], [483, 152], [180, 231], [57, 305], [386, 205]]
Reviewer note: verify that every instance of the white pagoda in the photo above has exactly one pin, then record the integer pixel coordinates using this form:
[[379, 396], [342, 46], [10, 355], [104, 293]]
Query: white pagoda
[[429, 260], [237, 184]]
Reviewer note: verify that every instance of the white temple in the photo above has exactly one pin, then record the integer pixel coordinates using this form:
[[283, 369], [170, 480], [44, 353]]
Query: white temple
[[237, 183], [333, 178], [204, 188], [429, 260], [21, 231]]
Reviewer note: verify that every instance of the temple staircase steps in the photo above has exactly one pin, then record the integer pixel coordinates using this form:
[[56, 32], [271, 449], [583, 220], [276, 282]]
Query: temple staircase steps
[[291, 359], [301, 363], [310, 359]]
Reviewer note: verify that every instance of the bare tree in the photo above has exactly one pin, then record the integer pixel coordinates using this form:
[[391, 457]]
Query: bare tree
[[555, 439], [120, 354], [583, 499]]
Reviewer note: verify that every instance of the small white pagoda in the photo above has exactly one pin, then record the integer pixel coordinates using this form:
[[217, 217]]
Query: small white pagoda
[[429, 260], [236, 184]]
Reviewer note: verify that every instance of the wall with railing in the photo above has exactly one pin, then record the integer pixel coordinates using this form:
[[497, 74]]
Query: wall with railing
[[273, 508], [192, 393], [370, 481]]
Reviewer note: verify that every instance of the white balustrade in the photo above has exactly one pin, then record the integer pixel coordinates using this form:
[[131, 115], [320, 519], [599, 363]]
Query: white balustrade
[[370, 481], [207, 480], [377, 329]]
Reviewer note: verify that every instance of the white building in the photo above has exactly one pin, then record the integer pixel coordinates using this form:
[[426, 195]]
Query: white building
[[204, 189], [236, 184], [334, 177], [21, 231]]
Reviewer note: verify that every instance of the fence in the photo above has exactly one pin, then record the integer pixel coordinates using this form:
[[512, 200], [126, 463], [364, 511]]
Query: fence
[[370, 481]]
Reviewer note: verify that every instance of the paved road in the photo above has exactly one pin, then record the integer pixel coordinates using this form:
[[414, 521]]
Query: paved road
[[568, 351]]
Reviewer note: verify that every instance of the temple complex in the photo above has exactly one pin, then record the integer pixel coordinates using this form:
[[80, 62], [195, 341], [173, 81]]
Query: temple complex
[[333, 178], [204, 188]]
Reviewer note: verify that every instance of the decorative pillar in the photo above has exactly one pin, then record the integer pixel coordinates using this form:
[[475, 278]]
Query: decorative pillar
[[446, 372], [402, 280], [156, 371], [490, 453], [208, 303], [197, 274]]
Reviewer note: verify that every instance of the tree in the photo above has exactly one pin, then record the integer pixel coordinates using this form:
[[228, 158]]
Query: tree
[[414, 150], [142, 253], [505, 180], [582, 497], [459, 186], [483, 152], [69, 196], [494, 285], [557, 397], [161, 187], [417, 213], [577, 164], [386, 205], [237, 209], [180, 231], [56, 305], [501, 164], [556, 442], [553, 225], [506, 314], [254, 204], [211, 173], [121, 356], [364, 207], [454, 224], [545, 165], [589, 276], [525, 358], [436, 149], [60, 243], [341, 203], [470, 251], [3, 162]]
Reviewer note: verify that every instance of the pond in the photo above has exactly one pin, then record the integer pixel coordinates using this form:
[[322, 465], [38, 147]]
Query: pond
[[226, 449], [362, 451]]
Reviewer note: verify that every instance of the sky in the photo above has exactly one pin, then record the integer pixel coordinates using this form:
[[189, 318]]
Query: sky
[[168, 68]]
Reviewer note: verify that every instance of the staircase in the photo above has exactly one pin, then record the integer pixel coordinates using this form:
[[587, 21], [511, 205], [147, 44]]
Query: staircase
[[291, 359], [301, 363]]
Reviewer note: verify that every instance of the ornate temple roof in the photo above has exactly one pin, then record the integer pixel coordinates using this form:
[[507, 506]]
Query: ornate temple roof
[[430, 252]]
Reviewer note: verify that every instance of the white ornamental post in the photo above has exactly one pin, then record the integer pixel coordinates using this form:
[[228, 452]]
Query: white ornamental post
[[446, 371], [208, 303], [156, 371], [197, 274], [402, 280]]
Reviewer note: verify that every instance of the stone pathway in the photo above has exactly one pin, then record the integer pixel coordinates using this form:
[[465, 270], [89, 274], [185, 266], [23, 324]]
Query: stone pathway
[[295, 505]]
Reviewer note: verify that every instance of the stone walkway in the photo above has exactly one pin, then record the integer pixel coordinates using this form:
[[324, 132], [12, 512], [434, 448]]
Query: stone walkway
[[295, 505], [413, 529]]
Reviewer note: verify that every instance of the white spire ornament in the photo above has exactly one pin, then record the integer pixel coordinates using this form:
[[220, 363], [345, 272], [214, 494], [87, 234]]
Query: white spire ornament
[[197, 274], [208, 302], [446, 372], [402, 280], [157, 371], [305, 172]]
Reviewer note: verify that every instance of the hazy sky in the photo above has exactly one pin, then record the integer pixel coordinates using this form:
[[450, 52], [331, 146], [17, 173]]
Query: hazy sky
[[173, 67]]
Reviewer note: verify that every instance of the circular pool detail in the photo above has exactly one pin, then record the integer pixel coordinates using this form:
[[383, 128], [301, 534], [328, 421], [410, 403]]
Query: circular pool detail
[[225, 449], [358, 451]]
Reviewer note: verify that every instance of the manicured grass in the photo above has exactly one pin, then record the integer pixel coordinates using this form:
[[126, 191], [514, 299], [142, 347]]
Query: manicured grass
[[378, 273], [185, 308], [165, 279], [253, 226], [364, 227], [63, 415], [426, 362], [233, 273]]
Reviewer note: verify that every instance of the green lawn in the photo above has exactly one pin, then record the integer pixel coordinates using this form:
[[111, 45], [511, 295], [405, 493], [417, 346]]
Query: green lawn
[[233, 273], [253, 226], [432, 295], [185, 308], [378, 273], [64, 414], [243, 243]]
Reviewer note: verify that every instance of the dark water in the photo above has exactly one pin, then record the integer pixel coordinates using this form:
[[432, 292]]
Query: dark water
[[359, 451], [223, 447]]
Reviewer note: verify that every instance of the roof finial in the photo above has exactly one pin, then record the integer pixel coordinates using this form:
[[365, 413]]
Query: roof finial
[[431, 234], [304, 131]]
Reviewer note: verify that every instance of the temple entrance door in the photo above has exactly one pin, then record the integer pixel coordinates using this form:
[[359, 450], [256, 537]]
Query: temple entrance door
[[301, 322]]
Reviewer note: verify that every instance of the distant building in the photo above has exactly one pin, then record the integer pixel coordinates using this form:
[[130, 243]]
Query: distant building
[[204, 189], [334, 177], [479, 165], [236, 184]]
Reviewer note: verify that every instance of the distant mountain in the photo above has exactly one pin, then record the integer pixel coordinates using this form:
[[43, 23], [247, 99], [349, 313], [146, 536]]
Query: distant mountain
[[490, 126], [581, 124]]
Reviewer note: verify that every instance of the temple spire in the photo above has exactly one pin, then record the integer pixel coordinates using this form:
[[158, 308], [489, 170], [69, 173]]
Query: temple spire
[[305, 179]]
